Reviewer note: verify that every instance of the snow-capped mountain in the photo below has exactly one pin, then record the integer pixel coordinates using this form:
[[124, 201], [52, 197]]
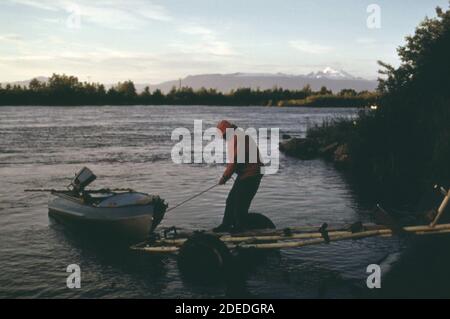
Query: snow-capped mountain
[[330, 73]]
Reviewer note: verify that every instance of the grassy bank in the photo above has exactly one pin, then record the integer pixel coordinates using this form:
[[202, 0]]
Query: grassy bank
[[364, 99]]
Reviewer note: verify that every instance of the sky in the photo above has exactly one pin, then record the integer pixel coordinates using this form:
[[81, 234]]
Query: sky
[[153, 41]]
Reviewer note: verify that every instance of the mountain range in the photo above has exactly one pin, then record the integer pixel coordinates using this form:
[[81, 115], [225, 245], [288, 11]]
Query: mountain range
[[334, 80]]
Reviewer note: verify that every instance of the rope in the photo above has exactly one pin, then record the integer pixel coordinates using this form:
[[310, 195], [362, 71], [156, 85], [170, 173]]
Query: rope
[[104, 190], [192, 197]]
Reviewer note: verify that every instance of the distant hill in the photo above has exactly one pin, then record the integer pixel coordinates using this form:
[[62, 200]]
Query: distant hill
[[332, 79], [26, 82]]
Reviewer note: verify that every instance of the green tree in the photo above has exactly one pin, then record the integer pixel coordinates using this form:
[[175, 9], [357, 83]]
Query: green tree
[[307, 90], [348, 92], [325, 91], [35, 85], [127, 89], [406, 143], [63, 83]]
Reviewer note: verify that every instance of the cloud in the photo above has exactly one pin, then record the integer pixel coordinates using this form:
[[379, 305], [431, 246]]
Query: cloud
[[11, 38], [79, 60], [116, 14], [110, 65], [44, 5], [195, 48], [106, 65], [206, 42], [91, 56], [309, 47]]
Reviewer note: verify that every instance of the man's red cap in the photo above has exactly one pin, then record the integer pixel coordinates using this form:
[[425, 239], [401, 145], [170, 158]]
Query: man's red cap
[[223, 126]]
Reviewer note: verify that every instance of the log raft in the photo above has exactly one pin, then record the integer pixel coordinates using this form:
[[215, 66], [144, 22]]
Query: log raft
[[295, 237]]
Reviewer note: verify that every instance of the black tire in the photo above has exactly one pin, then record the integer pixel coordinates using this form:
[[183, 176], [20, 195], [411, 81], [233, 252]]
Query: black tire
[[204, 257], [255, 221]]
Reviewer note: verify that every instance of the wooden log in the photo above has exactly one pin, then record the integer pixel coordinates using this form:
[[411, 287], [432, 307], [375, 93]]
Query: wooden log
[[293, 230], [426, 228], [261, 237], [416, 230], [232, 239], [156, 249], [283, 237], [295, 244], [433, 232], [441, 209]]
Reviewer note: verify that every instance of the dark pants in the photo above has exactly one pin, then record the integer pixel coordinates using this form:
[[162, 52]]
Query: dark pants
[[239, 200]]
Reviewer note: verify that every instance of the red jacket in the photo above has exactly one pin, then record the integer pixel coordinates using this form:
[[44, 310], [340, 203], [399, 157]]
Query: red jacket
[[247, 166]]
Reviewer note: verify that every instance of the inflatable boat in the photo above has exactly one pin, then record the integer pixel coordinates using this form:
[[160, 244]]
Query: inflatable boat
[[119, 213]]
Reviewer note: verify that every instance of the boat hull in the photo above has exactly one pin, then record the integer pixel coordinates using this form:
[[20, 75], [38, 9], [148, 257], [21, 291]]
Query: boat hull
[[131, 222]]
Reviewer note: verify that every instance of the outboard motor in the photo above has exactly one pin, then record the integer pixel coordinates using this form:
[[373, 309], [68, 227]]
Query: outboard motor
[[84, 177]]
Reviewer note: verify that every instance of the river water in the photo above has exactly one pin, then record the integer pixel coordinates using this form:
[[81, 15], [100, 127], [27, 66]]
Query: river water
[[130, 147]]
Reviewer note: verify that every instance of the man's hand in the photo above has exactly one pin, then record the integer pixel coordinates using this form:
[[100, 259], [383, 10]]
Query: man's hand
[[222, 181]]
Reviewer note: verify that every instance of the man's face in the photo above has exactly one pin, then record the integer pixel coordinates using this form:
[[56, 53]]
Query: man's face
[[221, 134]]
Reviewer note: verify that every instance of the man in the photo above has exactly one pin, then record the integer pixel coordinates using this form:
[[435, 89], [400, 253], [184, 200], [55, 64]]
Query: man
[[248, 170]]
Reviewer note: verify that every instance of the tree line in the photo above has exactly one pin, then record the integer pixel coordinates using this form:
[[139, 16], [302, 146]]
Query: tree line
[[68, 90]]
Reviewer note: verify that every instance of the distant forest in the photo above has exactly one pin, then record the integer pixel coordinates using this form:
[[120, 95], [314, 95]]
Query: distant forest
[[64, 90]]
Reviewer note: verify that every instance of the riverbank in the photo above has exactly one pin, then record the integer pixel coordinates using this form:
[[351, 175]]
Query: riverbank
[[63, 90], [364, 99], [329, 141]]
